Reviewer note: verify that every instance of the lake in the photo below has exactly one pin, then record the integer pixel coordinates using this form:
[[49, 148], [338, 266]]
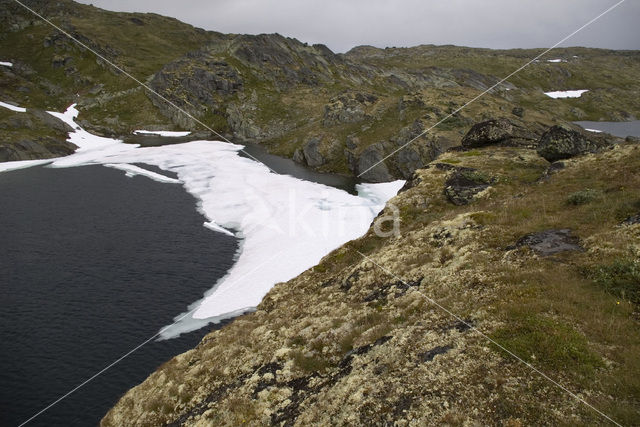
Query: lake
[[621, 129]]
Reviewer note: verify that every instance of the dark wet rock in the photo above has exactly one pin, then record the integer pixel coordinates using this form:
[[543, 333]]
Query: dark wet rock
[[49, 121], [416, 150], [311, 153], [428, 356], [499, 131], [549, 242], [461, 325], [632, 139], [371, 166], [382, 292], [517, 111], [61, 61], [298, 156], [563, 142], [40, 148], [410, 183], [463, 184], [634, 219]]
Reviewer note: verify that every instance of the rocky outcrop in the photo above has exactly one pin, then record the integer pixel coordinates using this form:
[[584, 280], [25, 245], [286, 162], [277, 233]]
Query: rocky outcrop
[[549, 242], [311, 153], [347, 108], [370, 165], [198, 84], [464, 184], [563, 142], [499, 131], [34, 134]]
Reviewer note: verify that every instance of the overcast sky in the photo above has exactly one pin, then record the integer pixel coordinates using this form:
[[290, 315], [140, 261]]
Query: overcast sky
[[343, 24]]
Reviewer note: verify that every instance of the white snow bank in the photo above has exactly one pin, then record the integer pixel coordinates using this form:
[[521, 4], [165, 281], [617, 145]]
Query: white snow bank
[[6, 64], [566, 93], [161, 132], [556, 60], [286, 225], [12, 107], [594, 130]]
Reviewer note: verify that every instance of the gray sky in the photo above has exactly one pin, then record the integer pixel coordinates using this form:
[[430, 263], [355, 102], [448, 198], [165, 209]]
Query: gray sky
[[344, 24]]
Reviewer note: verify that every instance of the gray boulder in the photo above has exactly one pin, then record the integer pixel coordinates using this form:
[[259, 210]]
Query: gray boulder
[[499, 131], [562, 142], [549, 242], [463, 184], [371, 156], [311, 152]]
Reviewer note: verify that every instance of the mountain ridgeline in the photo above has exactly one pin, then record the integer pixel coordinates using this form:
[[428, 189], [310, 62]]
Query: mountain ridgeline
[[518, 230], [333, 112]]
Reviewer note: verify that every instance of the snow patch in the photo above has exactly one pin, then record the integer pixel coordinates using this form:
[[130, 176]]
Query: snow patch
[[556, 60], [12, 107], [566, 93], [162, 133], [6, 64], [594, 130]]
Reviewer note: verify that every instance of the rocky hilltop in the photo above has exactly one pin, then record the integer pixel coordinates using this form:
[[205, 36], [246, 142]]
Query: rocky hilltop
[[333, 112], [518, 230]]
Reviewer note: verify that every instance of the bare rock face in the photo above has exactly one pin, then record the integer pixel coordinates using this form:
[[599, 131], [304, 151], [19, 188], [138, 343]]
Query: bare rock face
[[371, 156], [311, 153], [563, 142], [549, 242], [499, 131]]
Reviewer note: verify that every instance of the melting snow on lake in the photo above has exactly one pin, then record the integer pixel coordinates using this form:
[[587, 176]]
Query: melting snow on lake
[[566, 93], [285, 225], [162, 132]]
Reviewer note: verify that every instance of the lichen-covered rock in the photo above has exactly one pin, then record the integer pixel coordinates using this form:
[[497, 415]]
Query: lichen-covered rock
[[498, 131], [549, 242], [347, 108], [563, 142], [463, 185]]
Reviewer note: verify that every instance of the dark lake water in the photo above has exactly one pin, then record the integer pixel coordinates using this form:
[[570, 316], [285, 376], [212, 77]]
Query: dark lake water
[[92, 264], [621, 129]]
